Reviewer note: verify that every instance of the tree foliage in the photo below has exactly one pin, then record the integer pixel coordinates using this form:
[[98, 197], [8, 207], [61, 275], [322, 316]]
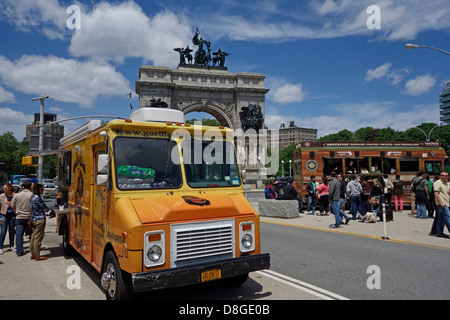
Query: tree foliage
[[205, 122], [422, 132]]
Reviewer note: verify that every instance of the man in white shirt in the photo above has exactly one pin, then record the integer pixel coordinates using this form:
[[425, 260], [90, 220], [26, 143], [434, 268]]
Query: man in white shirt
[[22, 207], [442, 197]]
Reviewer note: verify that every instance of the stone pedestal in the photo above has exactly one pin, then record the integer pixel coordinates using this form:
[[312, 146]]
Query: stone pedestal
[[278, 208]]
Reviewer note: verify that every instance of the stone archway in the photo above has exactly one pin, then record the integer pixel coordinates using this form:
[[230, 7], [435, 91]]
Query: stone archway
[[211, 109], [205, 89]]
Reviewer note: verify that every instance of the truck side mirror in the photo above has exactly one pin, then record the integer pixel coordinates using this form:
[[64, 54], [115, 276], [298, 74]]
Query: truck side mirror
[[103, 162], [102, 179]]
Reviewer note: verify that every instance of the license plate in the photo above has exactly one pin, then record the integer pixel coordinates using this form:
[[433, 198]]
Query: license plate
[[209, 275]]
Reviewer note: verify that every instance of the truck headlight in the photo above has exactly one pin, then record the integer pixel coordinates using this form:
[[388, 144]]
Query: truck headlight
[[247, 236], [154, 253], [247, 241], [154, 248]]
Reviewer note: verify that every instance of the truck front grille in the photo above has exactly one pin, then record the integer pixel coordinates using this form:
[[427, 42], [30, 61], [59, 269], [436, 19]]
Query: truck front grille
[[201, 241]]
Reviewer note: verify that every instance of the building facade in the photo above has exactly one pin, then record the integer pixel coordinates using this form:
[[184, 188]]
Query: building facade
[[294, 134], [52, 133], [445, 104]]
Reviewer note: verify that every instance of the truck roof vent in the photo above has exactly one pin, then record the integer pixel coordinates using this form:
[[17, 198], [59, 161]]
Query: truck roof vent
[[158, 115]]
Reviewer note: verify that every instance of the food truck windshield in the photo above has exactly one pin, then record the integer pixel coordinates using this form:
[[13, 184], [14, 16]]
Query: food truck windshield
[[152, 163]]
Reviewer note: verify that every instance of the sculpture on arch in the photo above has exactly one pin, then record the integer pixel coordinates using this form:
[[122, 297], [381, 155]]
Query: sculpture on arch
[[251, 117], [202, 57]]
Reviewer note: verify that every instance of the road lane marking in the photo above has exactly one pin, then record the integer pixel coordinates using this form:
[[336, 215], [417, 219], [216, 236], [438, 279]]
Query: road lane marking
[[358, 235], [300, 285]]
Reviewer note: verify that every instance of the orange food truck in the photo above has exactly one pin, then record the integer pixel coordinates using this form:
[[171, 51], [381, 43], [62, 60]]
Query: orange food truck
[[369, 159], [152, 202]]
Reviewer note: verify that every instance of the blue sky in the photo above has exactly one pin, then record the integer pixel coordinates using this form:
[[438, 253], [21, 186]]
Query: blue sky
[[324, 66]]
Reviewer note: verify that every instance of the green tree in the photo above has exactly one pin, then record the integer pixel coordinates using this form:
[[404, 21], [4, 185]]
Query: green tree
[[205, 122], [11, 153], [286, 154], [360, 134], [386, 134]]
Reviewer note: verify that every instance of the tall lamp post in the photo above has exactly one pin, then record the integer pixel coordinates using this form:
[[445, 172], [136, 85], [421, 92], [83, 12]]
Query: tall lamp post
[[41, 136], [282, 168], [427, 136], [290, 166], [410, 46]]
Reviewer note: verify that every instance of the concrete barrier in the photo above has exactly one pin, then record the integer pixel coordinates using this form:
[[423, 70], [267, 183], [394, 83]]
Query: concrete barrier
[[278, 208]]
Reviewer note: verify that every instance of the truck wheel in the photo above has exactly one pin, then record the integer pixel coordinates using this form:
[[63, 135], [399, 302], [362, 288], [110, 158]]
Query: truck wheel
[[67, 247], [116, 283]]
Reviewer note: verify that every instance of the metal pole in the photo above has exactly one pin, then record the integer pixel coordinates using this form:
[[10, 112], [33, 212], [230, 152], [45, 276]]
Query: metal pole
[[41, 137], [383, 206]]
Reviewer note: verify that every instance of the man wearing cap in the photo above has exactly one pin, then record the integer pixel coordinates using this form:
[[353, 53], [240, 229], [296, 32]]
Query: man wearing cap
[[22, 207]]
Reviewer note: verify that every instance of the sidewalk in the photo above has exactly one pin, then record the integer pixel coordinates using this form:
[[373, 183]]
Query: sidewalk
[[405, 228]]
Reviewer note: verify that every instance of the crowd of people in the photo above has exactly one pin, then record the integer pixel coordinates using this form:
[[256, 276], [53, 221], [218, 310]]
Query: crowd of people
[[429, 198], [23, 214]]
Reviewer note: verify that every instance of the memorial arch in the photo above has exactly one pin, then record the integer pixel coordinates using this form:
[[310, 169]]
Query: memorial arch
[[208, 89]]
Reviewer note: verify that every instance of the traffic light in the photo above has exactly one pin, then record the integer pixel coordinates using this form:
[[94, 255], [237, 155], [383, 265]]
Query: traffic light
[[30, 161]]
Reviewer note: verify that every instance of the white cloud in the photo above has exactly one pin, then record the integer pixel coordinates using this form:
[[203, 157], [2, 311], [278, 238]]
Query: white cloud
[[420, 85], [6, 96], [66, 80], [46, 16], [14, 121], [373, 114], [392, 76], [400, 20], [289, 93], [124, 30], [377, 73]]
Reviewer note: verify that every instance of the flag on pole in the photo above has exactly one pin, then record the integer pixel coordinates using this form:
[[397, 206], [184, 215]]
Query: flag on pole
[[131, 106]]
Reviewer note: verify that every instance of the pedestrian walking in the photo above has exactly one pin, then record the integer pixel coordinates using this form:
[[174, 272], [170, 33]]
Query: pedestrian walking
[[442, 198], [354, 190], [421, 191], [7, 217], [311, 190], [334, 198], [38, 209], [21, 206], [398, 193]]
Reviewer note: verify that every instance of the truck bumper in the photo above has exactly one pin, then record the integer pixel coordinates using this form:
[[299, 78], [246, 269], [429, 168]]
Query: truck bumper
[[147, 281]]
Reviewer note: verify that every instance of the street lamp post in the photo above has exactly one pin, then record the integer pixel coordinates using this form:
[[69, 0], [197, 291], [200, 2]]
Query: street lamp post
[[290, 164], [282, 168], [410, 46], [41, 136], [427, 136]]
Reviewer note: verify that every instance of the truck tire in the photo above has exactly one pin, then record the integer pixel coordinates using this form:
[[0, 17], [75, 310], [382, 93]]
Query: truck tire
[[116, 284]]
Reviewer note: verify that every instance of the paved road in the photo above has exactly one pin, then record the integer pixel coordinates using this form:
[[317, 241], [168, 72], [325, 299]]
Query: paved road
[[339, 263]]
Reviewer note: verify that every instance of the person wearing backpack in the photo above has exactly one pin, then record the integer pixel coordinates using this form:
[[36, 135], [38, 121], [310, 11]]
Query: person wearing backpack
[[269, 191]]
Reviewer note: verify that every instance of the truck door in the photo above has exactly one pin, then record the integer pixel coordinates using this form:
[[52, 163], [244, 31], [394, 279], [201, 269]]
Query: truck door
[[101, 198]]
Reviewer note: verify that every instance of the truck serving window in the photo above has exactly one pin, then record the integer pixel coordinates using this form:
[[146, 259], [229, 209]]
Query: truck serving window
[[145, 163], [216, 166]]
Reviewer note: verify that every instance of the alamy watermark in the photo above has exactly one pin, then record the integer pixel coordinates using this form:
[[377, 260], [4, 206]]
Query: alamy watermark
[[374, 280], [374, 20], [74, 20], [74, 279]]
